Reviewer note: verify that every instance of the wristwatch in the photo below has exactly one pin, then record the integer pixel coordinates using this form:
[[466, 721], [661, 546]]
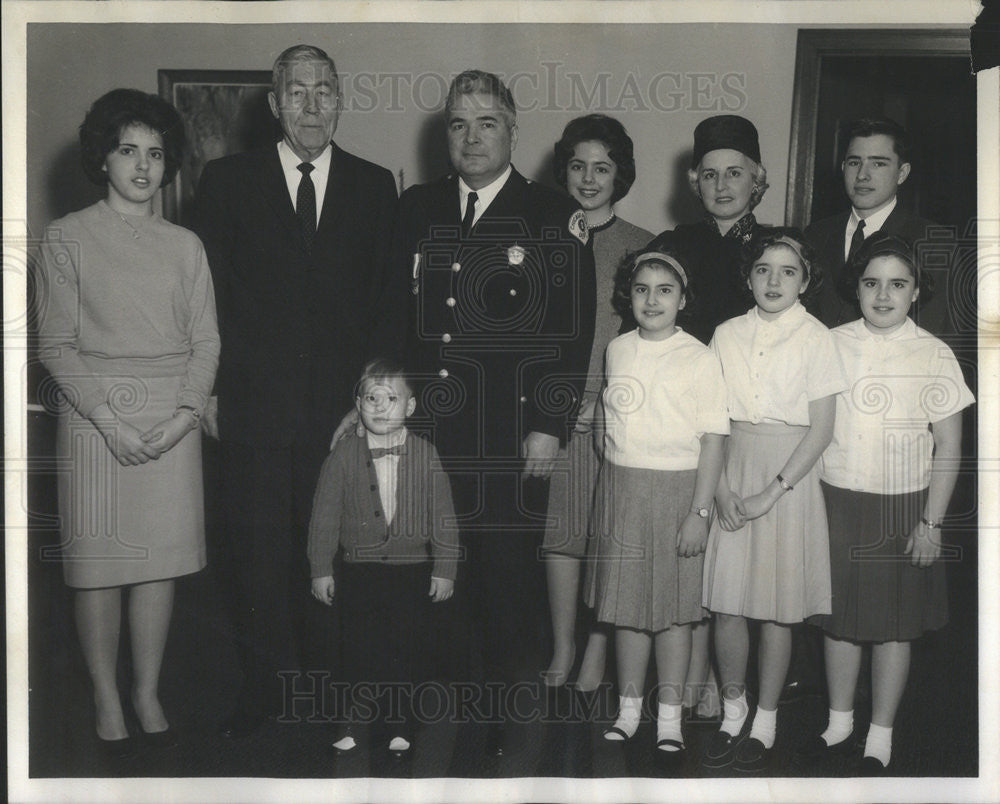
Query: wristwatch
[[702, 512]]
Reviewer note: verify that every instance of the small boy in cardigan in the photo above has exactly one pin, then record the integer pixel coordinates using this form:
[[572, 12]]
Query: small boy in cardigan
[[385, 502]]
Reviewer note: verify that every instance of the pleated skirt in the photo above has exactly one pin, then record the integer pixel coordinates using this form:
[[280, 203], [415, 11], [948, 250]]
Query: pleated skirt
[[571, 497], [122, 525], [878, 595], [635, 579], [776, 567]]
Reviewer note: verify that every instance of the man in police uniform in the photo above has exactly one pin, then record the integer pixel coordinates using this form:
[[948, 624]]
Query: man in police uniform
[[503, 295]]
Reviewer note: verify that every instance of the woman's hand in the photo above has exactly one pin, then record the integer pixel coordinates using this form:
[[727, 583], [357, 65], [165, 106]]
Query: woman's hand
[[730, 510], [757, 505], [323, 589], [167, 434], [351, 421], [924, 545], [693, 536], [127, 445], [585, 418], [441, 589]]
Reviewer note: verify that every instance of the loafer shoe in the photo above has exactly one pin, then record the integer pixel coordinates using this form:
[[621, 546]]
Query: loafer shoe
[[751, 756], [721, 750]]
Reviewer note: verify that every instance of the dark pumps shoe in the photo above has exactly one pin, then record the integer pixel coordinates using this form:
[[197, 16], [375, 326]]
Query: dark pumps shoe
[[117, 749], [870, 766], [160, 740], [670, 761]]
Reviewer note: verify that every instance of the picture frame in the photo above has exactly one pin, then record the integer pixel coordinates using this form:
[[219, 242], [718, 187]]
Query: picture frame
[[224, 112]]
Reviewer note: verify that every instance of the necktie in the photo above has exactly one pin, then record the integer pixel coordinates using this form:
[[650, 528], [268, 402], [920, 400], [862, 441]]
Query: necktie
[[381, 452], [305, 206], [470, 213], [856, 240]]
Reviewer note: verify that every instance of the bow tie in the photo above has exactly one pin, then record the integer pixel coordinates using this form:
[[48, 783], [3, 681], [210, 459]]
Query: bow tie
[[381, 452]]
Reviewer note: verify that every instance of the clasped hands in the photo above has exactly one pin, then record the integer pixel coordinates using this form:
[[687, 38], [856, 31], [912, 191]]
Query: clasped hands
[[323, 589], [735, 512], [132, 447]]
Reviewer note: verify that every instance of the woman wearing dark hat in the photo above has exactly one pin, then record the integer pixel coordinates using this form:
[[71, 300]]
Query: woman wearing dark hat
[[128, 332], [728, 176], [595, 163]]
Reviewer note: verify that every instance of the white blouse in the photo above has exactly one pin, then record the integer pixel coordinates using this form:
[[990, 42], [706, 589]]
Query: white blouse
[[661, 397], [899, 384], [774, 369]]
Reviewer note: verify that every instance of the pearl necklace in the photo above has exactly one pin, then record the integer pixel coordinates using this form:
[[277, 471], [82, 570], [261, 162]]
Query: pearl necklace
[[605, 222]]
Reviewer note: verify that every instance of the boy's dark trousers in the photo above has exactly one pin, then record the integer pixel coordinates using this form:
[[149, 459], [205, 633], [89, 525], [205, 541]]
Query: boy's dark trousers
[[386, 616]]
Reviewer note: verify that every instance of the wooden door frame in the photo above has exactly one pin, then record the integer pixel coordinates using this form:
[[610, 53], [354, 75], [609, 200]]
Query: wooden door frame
[[812, 47]]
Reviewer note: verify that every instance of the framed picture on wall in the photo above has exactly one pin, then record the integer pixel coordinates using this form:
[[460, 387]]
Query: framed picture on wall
[[224, 112]]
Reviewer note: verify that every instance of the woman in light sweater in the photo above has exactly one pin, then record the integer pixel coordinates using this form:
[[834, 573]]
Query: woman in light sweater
[[128, 332]]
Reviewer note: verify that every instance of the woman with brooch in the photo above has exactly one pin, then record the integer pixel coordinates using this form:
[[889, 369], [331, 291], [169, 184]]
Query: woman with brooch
[[594, 161], [728, 176], [128, 333]]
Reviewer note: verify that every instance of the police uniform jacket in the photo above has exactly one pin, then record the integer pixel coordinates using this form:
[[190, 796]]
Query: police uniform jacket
[[501, 321]]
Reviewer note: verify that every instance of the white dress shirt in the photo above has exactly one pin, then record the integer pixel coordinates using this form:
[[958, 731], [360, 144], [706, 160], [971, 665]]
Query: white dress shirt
[[900, 384], [484, 196], [387, 470], [873, 223], [320, 174]]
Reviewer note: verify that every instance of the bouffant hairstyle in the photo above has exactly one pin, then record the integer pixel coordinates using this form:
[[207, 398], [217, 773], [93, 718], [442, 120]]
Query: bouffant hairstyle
[[882, 244], [112, 113], [621, 298], [609, 132], [790, 237], [757, 171], [472, 82], [871, 126]]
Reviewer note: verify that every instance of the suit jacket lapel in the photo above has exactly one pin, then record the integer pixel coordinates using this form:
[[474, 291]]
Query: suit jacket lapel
[[275, 189]]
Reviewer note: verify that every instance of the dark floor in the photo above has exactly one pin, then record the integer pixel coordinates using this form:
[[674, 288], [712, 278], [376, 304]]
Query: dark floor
[[936, 731]]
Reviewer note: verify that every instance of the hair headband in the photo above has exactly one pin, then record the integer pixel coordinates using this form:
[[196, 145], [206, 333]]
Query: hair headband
[[661, 257], [784, 240]]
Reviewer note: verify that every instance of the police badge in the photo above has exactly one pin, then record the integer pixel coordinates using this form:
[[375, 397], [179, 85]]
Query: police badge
[[578, 226], [515, 255]]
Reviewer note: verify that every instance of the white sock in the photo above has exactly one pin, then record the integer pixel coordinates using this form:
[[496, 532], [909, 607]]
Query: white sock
[[765, 723], [668, 725], [345, 743], [734, 714], [879, 743], [839, 727], [629, 712], [399, 744]]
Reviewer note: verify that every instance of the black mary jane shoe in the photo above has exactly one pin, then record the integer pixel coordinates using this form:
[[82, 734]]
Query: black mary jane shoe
[[625, 738], [670, 761], [870, 766]]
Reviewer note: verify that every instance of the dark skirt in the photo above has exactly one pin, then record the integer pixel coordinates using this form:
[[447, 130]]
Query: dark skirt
[[635, 579], [878, 595], [571, 497]]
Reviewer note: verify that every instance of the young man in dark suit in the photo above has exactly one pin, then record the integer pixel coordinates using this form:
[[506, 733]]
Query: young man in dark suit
[[296, 238], [876, 163], [502, 315]]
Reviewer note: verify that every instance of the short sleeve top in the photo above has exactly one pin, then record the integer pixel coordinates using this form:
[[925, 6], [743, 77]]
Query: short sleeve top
[[774, 369], [899, 384], [661, 397]]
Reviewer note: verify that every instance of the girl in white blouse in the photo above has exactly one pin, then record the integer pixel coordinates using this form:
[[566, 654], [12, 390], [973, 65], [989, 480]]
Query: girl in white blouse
[[768, 555], [888, 475], [664, 421]]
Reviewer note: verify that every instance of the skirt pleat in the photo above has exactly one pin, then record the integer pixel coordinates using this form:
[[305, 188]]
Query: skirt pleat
[[878, 595], [776, 567], [635, 579]]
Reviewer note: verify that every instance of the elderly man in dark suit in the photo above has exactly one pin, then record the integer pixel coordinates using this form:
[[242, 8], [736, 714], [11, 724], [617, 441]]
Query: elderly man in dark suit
[[502, 316], [296, 236], [876, 163]]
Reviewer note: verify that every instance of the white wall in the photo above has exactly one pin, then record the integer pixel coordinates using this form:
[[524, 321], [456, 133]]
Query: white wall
[[659, 80]]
